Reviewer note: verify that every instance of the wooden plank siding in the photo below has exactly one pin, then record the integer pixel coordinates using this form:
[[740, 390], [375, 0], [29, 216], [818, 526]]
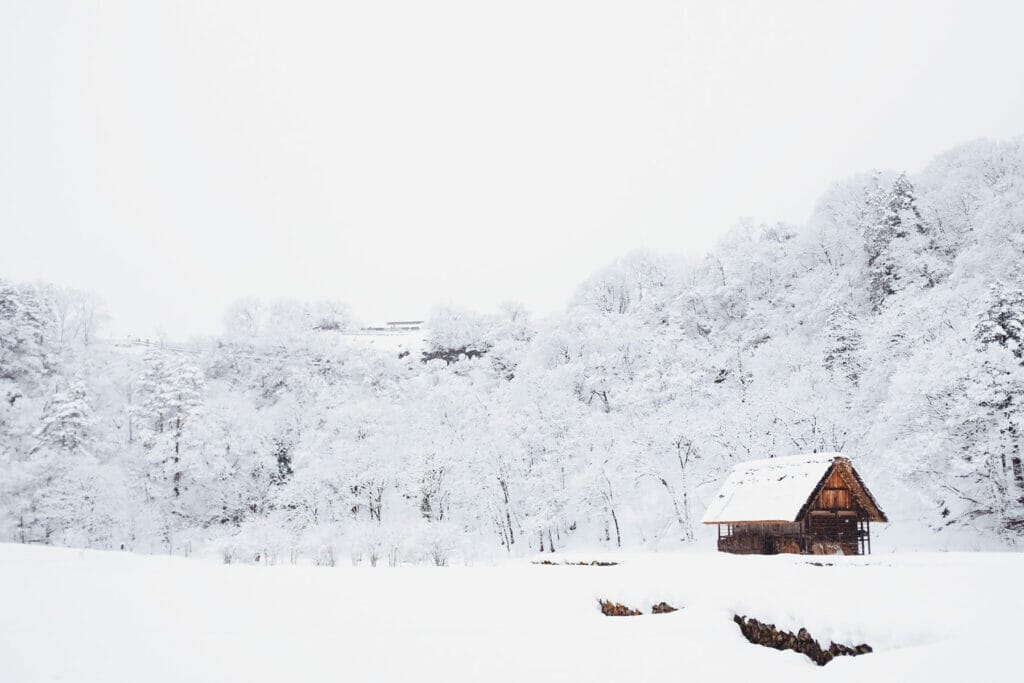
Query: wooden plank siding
[[835, 495]]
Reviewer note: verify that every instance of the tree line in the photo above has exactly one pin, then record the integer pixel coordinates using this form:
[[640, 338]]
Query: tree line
[[889, 326]]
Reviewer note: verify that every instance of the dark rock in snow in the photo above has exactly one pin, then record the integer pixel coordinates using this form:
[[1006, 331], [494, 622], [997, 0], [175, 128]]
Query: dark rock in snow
[[614, 609], [803, 642]]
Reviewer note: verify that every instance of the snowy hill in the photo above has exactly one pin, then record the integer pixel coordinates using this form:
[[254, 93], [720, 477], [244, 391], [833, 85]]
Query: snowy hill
[[888, 328]]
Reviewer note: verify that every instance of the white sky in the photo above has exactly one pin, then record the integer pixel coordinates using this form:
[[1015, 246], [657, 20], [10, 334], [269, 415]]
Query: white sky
[[175, 156]]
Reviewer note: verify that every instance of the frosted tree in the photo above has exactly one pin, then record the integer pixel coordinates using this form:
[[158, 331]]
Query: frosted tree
[[1002, 386], [76, 499], [77, 316], [885, 242], [982, 405], [842, 342], [1002, 322], [26, 335], [904, 248], [170, 392], [670, 458], [67, 420]]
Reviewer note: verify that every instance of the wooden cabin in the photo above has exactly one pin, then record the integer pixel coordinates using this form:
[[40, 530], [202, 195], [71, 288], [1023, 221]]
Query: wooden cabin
[[815, 504]]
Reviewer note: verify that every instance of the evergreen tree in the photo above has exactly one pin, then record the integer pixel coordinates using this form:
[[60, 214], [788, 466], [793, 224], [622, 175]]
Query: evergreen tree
[[842, 344], [59, 467], [26, 327], [171, 392], [66, 420], [999, 392], [1002, 322], [886, 241]]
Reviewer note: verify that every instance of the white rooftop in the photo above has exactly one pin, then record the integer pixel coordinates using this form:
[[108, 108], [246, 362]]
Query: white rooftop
[[770, 490]]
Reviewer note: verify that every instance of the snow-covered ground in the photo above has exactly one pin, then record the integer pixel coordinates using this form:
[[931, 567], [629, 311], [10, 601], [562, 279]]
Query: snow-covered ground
[[72, 615]]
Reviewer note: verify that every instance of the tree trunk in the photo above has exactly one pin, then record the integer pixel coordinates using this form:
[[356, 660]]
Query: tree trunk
[[177, 457], [683, 526]]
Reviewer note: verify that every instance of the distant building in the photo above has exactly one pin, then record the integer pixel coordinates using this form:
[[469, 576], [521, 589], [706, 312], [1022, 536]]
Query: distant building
[[402, 337], [815, 503]]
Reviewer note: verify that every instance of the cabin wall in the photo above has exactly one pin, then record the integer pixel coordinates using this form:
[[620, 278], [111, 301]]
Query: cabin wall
[[760, 538], [822, 534]]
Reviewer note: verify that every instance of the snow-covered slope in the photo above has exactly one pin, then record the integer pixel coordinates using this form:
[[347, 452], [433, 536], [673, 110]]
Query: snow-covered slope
[[90, 616]]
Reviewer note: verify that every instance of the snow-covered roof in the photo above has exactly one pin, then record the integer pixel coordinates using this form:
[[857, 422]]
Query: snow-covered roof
[[771, 490]]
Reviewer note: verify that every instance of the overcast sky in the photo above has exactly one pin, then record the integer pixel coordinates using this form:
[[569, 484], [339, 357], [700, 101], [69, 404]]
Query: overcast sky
[[175, 156]]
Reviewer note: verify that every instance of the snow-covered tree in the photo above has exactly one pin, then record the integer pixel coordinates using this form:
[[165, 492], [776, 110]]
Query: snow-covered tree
[[1002, 322], [842, 341], [67, 419]]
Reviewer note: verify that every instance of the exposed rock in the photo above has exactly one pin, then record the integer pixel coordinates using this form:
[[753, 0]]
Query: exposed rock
[[663, 608], [614, 609], [769, 636]]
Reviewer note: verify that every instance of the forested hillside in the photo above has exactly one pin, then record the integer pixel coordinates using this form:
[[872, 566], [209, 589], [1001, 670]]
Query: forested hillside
[[888, 327]]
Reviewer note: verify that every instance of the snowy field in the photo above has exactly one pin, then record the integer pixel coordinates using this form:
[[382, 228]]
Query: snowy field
[[85, 616]]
